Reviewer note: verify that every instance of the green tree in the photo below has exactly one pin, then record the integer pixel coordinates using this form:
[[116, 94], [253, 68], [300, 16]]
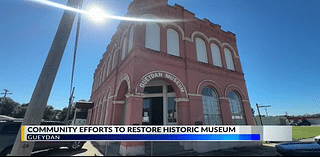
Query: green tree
[[21, 111], [48, 113], [62, 116], [7, 106]]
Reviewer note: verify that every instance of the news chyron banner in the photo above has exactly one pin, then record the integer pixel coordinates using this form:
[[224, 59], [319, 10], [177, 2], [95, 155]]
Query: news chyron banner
[[154, 133]]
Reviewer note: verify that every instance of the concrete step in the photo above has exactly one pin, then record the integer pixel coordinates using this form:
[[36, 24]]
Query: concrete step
[[113, 149]]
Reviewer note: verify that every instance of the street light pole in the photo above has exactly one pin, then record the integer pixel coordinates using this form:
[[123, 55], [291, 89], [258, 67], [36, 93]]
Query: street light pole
[[43, 88]]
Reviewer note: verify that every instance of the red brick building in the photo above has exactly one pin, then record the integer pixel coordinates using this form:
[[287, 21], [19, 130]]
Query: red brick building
[[169, 73]]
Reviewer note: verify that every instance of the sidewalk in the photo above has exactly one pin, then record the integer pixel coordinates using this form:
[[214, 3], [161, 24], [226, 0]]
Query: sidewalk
[[263, 150], [91, 150]]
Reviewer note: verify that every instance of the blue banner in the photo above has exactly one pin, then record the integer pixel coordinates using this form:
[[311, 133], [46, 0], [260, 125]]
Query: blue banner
[[143, 137]]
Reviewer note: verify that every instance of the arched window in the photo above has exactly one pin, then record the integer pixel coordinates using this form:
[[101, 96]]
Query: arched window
[[100, 78], [131, 38], [109, 66], [172, 42], [236, 109], [107, 109], [201, 50], [152, 36], [211, 107], [216, 58], [124, 46], [104, 71], [229, 59], [114, 60]]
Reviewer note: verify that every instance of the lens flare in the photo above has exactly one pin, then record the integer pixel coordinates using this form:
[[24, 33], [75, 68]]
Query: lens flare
[[99, 15]]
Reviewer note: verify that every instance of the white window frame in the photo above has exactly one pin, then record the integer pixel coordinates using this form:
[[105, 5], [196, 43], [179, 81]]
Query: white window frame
[[152, 36], [201, 50], [131, 39], [229, 59], [236, 109], [216, 57], [124, 48], [173, 42], [211, 109]]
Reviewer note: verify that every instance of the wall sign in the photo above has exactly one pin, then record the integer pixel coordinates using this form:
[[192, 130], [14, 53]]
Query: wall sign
[[161, 74]]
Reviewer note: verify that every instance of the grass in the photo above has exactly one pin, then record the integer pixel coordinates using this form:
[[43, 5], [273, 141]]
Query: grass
[[304, 132]]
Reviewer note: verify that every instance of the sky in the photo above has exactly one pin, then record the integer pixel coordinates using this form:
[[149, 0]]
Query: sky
[[278, 44]]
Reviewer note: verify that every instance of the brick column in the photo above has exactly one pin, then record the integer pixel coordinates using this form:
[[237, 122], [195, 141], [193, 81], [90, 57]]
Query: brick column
[[225, 111], [247, 113], [117, 112], [183, 112], [133, 116], [195, 105]]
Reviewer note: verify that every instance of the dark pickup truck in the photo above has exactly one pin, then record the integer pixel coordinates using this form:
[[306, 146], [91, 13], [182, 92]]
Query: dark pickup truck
[[10, 129]]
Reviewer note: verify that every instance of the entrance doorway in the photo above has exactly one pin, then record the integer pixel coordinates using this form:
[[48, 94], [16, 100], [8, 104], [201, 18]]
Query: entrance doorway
[[159, 106], [153, 111]]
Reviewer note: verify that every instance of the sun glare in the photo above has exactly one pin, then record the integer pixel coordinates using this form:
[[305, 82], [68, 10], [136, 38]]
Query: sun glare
[[97, 15]]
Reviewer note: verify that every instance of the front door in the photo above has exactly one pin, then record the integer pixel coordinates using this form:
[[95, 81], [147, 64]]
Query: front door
[[159, 106], [152, 111]]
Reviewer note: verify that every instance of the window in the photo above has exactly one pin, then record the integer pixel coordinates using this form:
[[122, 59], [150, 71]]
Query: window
[[107, 67], [131, 38], [229, 60], [100, 78], [172, 42], [152, 36], [114, 60], [153, 89], [107, 108], [124, 46], [172, 110], [236, 109], [216, 58], [104, 71], [201, 50], [211, 108]]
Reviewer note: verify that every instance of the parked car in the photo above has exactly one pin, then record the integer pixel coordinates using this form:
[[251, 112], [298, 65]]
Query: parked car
[[294, 123], [299, 149], [317, 139], [304, 122], [10, 129]]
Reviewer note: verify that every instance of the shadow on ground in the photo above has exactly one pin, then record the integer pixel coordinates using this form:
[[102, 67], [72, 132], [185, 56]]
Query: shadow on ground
[[58, 152], [263, 150]]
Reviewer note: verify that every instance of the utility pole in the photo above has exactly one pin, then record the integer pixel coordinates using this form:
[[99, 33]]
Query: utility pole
[[69, 107], [6, 91], [259, 114], [266, 112], [43, 88], [259, 111]]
